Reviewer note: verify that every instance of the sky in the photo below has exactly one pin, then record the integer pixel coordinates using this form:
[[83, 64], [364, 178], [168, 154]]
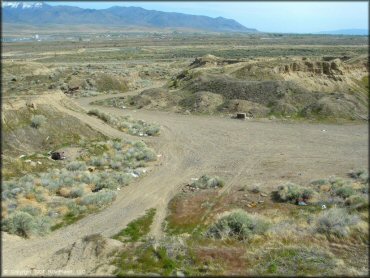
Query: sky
[[284, 17]]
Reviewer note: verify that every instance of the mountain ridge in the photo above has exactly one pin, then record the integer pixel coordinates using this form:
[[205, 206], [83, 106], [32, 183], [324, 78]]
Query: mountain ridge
[[41, 13]]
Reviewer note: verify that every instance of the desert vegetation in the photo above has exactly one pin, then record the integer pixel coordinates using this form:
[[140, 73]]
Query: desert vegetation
[[137, 229], [127, 124], [35, 203], [226, 235]]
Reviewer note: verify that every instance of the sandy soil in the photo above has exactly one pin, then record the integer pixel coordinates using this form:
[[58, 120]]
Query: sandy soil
[[241, 152]]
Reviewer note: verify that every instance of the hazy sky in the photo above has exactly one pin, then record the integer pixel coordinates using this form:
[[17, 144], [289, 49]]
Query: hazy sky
[[295, 17]]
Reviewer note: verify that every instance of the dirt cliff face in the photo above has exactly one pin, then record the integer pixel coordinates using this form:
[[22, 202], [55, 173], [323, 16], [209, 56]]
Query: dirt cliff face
[[317, 67]]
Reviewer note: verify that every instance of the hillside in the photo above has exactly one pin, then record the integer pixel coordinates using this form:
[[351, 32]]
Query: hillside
[[327, 88], [42, 14]]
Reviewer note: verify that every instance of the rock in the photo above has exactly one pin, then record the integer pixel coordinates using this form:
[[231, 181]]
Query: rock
[[261, 201], [301, 203], [180, 274], [31, 105], [263, 194], [91, 169]]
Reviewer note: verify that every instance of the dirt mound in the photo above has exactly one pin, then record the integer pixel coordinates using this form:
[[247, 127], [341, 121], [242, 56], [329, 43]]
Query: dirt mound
[[211, 60], [202, 102], [90, 255], [231, 88], [158, 98], [282, 87], [252, 109], [20, 137], [337, 106]]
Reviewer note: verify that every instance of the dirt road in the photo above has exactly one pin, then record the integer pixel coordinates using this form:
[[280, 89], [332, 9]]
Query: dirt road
[[241, 152]]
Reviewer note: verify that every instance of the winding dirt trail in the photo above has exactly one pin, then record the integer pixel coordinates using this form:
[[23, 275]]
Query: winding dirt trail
[[242, 152]]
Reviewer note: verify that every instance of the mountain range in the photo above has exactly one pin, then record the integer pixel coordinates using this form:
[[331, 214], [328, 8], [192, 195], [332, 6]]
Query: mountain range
[[43, 14]]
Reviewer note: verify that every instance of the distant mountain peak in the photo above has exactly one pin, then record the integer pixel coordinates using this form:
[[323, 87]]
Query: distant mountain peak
[[22, 5]]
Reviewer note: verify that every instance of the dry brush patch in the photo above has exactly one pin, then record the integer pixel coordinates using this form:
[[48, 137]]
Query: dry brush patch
[[36, 203], [127, 124], [267, 237]]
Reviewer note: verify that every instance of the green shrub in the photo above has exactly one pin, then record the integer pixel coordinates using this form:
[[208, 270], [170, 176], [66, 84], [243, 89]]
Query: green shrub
[[122, 178], [128, 124], [362, 175], [31, 210], [101, 115], [108, 183], [239, 225], [358, 202], [336, 182], [336, 221], [152, 130], [20, 223], [115, 165], [344, 191], [208, 182], [99, 199], [319, 182], [295, 261], [76, 166], [38, 120], [98, 161], [137, 228], [291, 192], [42, 225], [107, 82], [77, 192]]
